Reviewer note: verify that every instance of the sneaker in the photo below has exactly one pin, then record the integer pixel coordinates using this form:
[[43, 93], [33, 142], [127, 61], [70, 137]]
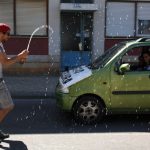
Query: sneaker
[[3, 135]]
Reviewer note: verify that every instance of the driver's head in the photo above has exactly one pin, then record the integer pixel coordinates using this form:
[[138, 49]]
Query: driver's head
[[146, 57], [4, 32]]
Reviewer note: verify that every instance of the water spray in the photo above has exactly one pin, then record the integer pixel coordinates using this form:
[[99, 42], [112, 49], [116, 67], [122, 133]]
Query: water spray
[[36, 30]]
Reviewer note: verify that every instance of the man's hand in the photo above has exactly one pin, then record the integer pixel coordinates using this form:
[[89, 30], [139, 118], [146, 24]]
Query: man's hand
[[23, 56]]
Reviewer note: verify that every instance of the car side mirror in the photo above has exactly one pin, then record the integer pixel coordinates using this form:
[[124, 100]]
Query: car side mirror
[[124, 68]]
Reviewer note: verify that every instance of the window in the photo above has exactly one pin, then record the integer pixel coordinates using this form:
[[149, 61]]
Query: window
[[132, 56], [143, 19], [77, 1], [29, 15], [6, 13], [143, 27], [120, 19], [135, 58], [77, 27]]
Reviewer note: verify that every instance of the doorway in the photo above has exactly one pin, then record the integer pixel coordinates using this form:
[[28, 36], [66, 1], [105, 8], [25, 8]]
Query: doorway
[[76, 39]]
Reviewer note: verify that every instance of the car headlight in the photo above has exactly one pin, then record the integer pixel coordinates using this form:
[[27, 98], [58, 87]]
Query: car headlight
[[63, 89]]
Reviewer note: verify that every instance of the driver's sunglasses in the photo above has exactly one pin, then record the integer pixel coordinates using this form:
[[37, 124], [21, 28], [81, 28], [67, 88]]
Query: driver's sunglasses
[[6, 33]]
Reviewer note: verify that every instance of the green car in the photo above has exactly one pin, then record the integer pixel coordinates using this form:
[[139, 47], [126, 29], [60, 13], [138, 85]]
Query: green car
[[116, 82]]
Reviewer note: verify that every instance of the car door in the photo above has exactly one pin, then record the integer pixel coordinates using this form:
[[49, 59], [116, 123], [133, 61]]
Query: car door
[[131, 90]]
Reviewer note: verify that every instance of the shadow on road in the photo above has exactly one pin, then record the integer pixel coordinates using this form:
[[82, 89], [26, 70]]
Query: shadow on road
[[42, 116], [13, 145]]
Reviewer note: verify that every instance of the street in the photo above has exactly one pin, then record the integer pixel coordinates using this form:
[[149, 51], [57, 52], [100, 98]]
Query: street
[[93, 55], [37, 124]]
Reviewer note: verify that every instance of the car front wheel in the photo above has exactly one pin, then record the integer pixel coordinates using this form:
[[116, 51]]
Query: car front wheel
[[88, 109]]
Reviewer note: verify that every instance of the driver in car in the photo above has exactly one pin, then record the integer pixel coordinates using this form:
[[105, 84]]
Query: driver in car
[[144, 60]]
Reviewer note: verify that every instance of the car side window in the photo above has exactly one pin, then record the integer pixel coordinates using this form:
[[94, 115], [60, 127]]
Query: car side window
[[138, 58]]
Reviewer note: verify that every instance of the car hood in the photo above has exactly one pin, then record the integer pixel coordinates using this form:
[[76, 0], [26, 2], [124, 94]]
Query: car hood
[[73, 76]]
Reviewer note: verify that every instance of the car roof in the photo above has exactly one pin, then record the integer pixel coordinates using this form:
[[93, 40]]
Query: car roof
[[143, 39], [137, 41]]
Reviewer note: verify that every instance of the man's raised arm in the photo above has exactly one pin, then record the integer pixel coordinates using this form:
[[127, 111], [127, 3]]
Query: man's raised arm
[[4, 60]]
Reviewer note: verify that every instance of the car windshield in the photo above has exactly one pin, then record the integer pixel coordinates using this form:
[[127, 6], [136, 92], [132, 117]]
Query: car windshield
[[103, 59]]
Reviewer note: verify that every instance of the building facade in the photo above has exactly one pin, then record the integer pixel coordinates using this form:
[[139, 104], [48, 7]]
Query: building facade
[[82, 29]]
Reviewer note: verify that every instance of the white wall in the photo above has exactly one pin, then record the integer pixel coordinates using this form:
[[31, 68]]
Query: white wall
[[54, 22], [99, 30]]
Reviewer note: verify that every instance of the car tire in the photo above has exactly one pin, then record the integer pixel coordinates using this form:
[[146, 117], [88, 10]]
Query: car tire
[[88, 110]]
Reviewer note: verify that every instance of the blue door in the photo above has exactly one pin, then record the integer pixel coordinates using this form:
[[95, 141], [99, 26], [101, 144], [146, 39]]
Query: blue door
[[76, 39]]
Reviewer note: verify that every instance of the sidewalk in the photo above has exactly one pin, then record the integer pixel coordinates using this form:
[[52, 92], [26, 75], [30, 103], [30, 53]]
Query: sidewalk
[[40, 86]]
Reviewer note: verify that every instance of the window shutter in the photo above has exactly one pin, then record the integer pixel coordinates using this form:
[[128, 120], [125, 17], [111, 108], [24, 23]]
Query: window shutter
[[120, 19], [6, 13], [30, 15]]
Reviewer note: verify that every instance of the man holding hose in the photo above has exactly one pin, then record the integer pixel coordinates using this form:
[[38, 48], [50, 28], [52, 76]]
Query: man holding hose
[[6, 103]]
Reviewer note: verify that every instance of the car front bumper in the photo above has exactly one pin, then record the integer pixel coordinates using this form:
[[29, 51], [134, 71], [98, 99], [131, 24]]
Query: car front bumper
[[65, 101]]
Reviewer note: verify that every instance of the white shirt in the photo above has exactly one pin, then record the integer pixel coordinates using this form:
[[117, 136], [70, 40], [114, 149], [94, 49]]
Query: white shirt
[[148, 68], [1, 67]]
